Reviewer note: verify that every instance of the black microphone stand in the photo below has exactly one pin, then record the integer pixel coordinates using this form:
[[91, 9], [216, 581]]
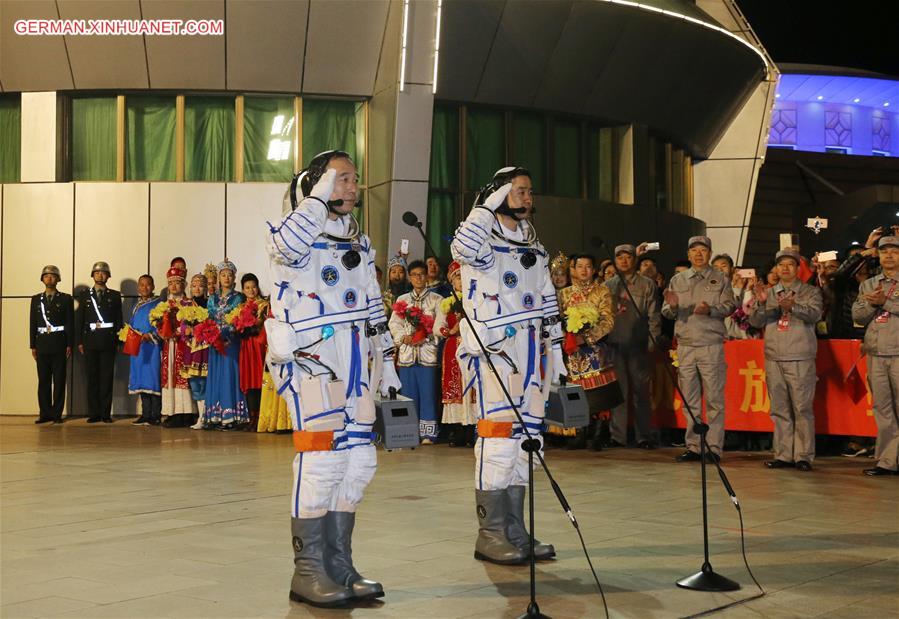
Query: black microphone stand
[[531, 445], [706, 579]]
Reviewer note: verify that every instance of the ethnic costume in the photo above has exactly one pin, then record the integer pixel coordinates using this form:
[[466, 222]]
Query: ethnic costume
[[144, 375], [195, 361], [508, 295], [418, 363], [177, 404], [327, 312], [253, 345], [590, 364], [459, 399], [225, 404]]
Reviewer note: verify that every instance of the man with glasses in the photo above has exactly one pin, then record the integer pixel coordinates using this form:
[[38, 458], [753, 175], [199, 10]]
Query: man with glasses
[[417, 355]]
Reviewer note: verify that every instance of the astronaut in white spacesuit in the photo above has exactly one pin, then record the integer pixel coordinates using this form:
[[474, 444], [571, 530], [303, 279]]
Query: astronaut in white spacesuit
[[328, 312], [508, 294]]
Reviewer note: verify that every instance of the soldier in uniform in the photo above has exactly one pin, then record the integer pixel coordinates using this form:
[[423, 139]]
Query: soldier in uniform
[[788, 313], [510, 298], [51, 335], [97, 323], [877, 307], [698, 299], [630, 340]]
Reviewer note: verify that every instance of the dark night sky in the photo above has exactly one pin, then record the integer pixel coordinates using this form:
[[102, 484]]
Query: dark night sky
[[861, 34]]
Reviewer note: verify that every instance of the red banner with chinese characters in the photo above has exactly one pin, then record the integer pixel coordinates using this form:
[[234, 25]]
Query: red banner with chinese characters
[[837, 409]]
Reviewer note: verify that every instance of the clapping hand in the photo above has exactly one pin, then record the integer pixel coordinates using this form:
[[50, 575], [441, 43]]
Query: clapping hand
[[702, 308], [671, 297], [878, 297]]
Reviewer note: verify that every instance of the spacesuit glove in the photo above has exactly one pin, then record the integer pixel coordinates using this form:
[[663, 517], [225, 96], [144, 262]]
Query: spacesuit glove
[[559, 369], [498, 197], [389, 377], [325, 186]]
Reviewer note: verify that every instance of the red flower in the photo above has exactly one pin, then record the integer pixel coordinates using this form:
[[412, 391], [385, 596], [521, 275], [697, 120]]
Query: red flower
[[208, 332], [399, 308]]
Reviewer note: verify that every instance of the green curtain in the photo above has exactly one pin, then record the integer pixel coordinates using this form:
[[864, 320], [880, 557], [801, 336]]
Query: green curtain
[[269, 129], [486, 152], [529, 146], [10, 138], [94, 139], [150, 133], [208, 139], [443, 215], [566, 159], [601, 163], [329, 125]]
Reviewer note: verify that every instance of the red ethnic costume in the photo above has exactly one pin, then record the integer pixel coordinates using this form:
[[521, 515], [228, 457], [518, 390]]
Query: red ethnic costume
[[177, 404], [459, 399]]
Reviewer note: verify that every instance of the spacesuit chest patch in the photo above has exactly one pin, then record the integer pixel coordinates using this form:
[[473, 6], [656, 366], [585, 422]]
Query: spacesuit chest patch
[[510, 279], [330, 275], [527, 301], [350, 298]]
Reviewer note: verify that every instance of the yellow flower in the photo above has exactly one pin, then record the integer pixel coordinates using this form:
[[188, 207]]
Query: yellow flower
[[674, 360], [579, 316], [447, 304], [157, 313], [192, 313], [123, 333], [231, 316]]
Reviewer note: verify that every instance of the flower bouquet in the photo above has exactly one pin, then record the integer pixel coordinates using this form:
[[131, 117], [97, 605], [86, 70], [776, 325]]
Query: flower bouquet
[[243, 318], [192, 314], [131, 339], [208, 332], [578, 319], [164, 320], [422, 324]]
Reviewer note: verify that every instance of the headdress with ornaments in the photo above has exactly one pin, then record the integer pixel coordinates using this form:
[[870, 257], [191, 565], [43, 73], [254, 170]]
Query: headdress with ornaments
[[226, 265], [559, 263]]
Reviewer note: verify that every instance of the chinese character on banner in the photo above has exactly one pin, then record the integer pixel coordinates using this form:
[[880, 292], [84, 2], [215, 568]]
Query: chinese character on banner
[[755, 395]]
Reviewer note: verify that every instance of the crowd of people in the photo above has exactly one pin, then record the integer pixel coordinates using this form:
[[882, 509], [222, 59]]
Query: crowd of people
[[185, 379]]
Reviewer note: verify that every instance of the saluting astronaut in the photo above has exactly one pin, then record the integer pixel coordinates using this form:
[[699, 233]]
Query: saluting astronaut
[[508, 294], [327, 311]]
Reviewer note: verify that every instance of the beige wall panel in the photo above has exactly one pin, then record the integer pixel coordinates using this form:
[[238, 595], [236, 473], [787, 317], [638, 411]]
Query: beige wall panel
[[406, 196], [727, 241], [186, 219], [18, 378], [348, 68], [381, 123], [250, 205], [38, 137], [420, 42], [379, 223], [105, 61], [412, 145], [266, 39], [721, 191], [37, 230], [29, 63], [748, 132], [111, 225], [185, 61]]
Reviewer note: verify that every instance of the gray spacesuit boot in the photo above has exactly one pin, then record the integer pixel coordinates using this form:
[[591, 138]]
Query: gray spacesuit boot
[[311, 583], [516, 532], [339, 557], [492, 544]]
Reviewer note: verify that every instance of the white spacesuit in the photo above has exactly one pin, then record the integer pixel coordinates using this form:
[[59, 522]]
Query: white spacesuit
[[508, 294], [327, 311]]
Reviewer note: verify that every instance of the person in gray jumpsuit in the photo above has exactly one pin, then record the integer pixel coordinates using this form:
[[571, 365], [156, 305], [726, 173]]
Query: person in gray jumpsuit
[[630, 340], [877, 307], [788, 313], [698, 300]]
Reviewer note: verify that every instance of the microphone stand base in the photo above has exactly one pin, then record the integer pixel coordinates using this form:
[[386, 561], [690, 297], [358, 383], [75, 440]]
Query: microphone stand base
[[708, 579], [533, 612]]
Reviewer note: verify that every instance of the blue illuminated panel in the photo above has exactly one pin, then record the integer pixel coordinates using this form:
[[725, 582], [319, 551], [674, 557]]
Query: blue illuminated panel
[[836, 113]]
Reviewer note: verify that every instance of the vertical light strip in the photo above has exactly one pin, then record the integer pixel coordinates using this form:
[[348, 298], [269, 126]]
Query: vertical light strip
[[403, 52], [437, 45], [238, 139], [179, 138], [297, 134], [120, 139]]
